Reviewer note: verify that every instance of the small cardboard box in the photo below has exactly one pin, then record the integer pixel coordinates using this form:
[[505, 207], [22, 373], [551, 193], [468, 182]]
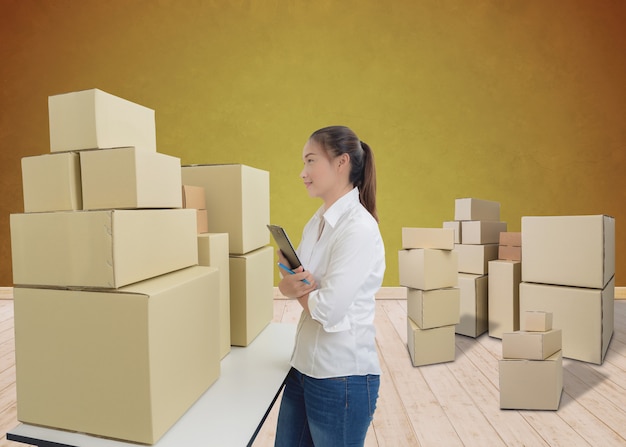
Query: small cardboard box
[[511, 238], [476, 209], [509, 253], [427, 269], [536, 321], [531, 384], [585, 316], [237, 201], [475, 259], [433, 308], [477, 232], [474, 316], [51, 182], [503, 297], [107, 249], [429, 346], [576, 251], [123, 364], [213, 252], [202, 220], [456, 226], [531, 345], [128, 178], [251, 294], [194, 197], [437, 238], [93, 119]]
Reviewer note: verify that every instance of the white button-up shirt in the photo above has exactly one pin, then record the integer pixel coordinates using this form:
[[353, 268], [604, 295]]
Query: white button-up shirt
[[348, 263]]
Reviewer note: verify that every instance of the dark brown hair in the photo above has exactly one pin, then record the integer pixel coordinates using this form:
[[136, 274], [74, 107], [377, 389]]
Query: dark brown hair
[[339, 140]]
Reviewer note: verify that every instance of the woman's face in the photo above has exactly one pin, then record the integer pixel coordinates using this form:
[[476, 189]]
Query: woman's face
[[320, 174]]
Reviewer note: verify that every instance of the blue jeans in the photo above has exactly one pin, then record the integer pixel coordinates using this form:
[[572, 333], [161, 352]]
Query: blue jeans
[[326, 412]]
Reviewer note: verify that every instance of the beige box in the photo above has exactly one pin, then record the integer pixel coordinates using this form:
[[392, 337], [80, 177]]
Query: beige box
[[536, 321], [476, 209], [108, 249], [129, 178], [531, 384], [427, 269], [531, 345], [433, 308], [202, 220], [474, 298], [574, 251], [510, 253], [429, 346], [251, 294], [511, 238], [194, 197], [482, 232], [51, 182], [437, 238], [93, 119], [213, 252], [585, 316], [237, 201], [475, 259], [456, 226], [123, 364], [503, 297]]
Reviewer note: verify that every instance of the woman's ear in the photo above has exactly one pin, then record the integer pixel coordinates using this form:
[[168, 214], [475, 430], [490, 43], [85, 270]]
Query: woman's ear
[[344, 159]]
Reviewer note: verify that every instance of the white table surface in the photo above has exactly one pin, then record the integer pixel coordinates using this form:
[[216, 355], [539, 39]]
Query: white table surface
[[227, 414]]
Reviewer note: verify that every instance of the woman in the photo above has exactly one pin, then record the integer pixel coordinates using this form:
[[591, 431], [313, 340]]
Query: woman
[[331, 391]]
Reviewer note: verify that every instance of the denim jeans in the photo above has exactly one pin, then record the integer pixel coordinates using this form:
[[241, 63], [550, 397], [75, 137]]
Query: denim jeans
[[326, 412]]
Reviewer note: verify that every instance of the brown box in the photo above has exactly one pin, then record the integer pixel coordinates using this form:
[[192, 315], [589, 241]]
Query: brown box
[[475, 259], [194, 197], [503, 297], [433, 308], [536, 321], [509, 253], [473, 290], [511, 238], [437, 238], [476, 209], [429, 346], [477, 232], [531, 345], [427, 269], [202, 221], [456, 226]]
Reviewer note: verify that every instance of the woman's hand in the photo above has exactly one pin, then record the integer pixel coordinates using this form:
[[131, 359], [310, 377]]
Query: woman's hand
[[293, 286]]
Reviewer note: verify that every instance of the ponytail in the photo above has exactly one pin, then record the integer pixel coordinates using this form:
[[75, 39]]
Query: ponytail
[[367, 187]]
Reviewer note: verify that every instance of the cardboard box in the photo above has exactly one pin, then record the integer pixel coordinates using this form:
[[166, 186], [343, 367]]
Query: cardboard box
[[427, 269], [531, 384], [123, 363], [93, 119], [482, 232], [437, 238], [456, 226], [108, 249], [429, 346], [129, 178], [213, 252], [536, 321], [476, 209], [202, 221], [574, 251], [475, 259], [434, 308], [509, 253], [585, 316], [237, 201], [474, 316], [503, 297], [251, 294], [511, 238], [194, 197], [531, 345]]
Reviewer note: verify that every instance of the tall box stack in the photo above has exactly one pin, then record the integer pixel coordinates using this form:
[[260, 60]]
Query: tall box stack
[[569, 270], [238, 203], [428, 268], [479, 232], [505, 275], [116, 329], [531, 368]]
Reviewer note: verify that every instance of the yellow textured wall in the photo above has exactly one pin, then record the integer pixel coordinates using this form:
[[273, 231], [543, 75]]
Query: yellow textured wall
[[522, 102]]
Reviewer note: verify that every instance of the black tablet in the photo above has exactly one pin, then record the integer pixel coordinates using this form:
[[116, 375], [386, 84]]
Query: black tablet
[[284, 244]]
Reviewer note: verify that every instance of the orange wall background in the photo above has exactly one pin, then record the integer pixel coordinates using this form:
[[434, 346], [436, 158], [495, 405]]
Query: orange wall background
[[522, 102]]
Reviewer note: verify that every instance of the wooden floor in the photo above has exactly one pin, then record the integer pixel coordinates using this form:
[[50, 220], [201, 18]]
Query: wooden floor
[[450, 404]]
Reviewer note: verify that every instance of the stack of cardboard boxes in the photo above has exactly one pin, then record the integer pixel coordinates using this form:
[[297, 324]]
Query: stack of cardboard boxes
[[116, 327], [428, 268], [568, 270], [531, 369]]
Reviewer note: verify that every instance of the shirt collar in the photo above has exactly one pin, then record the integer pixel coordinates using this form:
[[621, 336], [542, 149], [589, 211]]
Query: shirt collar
[[339, 208]]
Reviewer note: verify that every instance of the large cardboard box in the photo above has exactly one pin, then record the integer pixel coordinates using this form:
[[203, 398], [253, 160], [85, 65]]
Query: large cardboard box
[[503, 297], [475, 259], [454, 225], [213, 252], [93, 119], [482, 232], [531, 384], [129, 178], [123, 363], [434, 308], [429, 346], [474, 304], [251, 294], [51, 182], [476, 209], [108, 249], [574, 251], [427, 269], [439, 238], [237, 201], [531, 345], [586, 316]]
